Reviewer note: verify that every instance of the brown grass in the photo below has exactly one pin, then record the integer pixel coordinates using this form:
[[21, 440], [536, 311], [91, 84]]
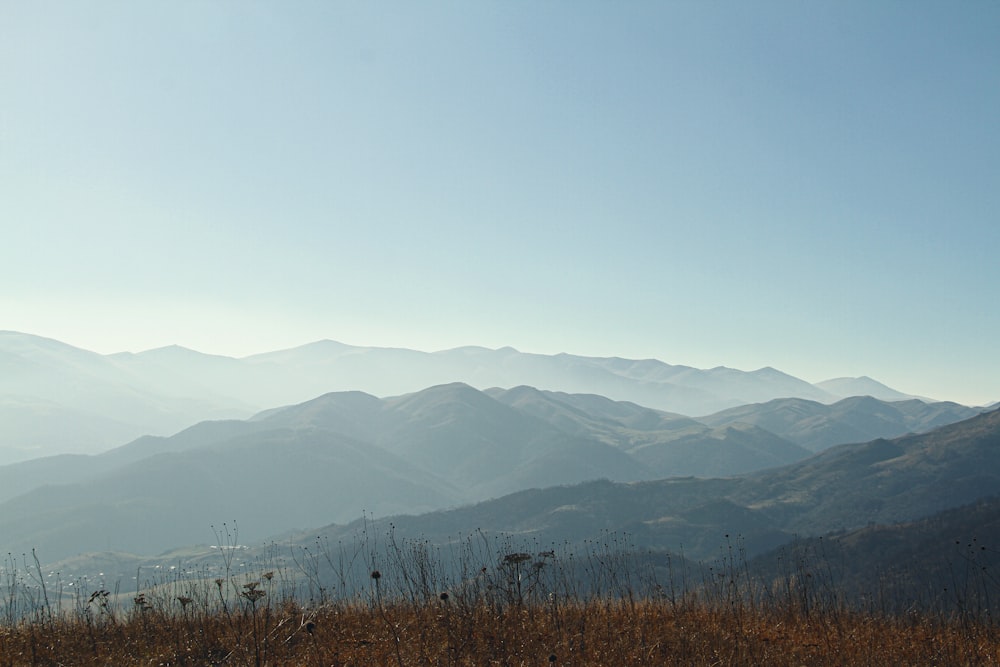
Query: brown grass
[[597, 632], [482, 603]]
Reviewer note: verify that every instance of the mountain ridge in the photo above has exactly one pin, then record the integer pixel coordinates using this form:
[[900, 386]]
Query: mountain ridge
[[161, 390], [846, 487], [448, 445]]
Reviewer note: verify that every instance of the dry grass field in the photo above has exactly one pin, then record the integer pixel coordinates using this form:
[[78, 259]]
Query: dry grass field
[[408, 604], [450, 632]]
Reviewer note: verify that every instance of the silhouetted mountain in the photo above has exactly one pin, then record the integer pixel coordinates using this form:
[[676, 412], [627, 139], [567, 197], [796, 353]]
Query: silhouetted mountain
[[858, 419]]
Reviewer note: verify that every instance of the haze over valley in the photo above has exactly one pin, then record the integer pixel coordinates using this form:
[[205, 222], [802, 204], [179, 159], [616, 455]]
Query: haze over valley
[[344, 452]]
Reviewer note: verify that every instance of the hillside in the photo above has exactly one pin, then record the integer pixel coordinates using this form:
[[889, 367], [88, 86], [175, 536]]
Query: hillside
[[331, 458], [947, 562], [668, 445], [340, 454], [883, 481], [843, 488]]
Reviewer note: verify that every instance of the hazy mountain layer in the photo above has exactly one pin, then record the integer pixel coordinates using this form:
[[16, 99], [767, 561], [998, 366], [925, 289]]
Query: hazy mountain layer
[[817, 426], [844, 488], [668, 445], [862, 386], [56, 399], [333, 457], [337, 455]]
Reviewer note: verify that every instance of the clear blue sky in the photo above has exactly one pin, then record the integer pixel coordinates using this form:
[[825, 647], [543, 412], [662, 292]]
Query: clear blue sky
[[805, 185]]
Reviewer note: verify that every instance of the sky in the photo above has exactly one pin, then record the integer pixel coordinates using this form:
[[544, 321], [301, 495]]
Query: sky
[[809, 186]]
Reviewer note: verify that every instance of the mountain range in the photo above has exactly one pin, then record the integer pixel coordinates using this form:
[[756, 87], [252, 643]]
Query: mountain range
[[817, 426], [59, 399], [344, 453], [845, 488], [548, 449], [887, 526]]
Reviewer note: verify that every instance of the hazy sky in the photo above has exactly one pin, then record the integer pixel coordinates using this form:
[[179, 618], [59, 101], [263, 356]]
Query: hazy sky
[[805, 185]]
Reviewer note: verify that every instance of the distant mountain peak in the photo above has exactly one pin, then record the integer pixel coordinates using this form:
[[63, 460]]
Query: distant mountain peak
[[172, 349], [326, 343], [844, 387], [479, 349]]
